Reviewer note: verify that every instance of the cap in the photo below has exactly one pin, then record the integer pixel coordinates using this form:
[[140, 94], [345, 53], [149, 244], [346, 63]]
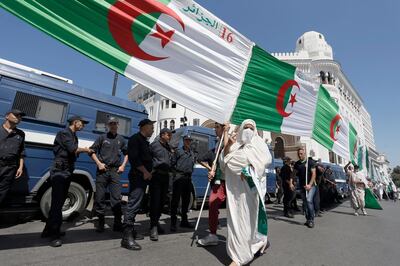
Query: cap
[[16, 112], [112, 120], [187, 137], [77, 117], [286, 158], [166, 130], [146, 121]]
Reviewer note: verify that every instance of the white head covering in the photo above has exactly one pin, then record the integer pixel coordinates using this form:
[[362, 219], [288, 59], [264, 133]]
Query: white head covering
[[256, 151]]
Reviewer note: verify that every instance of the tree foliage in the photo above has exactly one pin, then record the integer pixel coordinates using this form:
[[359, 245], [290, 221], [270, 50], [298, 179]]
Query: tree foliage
[[396, 175]]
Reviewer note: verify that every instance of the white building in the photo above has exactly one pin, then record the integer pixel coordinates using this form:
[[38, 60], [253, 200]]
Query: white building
[[313, 55]]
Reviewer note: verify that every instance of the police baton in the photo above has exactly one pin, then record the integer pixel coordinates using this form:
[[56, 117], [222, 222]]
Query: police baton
[[213, 168]]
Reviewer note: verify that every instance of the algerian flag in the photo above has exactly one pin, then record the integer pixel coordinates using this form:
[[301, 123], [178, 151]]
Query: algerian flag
[[361, 158], [185, 53], [330, 128], [353, 144]]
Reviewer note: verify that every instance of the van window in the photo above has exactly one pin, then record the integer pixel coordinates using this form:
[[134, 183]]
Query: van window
[[200, 143], [124, 127], [40, 108]]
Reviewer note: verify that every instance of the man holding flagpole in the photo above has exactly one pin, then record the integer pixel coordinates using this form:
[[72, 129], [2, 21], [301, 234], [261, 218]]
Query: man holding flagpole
[[306, 172]]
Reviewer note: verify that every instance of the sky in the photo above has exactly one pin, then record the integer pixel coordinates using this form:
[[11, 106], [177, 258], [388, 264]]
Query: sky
[[364, 35]]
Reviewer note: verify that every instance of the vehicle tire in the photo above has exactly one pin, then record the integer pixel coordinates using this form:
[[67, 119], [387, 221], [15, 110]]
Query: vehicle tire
[[74, 204]]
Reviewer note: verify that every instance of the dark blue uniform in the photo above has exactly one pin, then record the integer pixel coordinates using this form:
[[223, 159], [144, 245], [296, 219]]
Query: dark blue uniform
[[159, 184], [182, 184], [11, 150], [108, 148], [65, 147], [139, 154]]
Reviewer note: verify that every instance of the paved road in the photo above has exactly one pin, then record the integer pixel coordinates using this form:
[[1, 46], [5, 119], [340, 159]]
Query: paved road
[[339, 238]]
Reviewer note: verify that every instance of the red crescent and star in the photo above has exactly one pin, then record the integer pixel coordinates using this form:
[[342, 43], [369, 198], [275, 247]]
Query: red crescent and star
[[123, 14], [281, 97], [335, 122]]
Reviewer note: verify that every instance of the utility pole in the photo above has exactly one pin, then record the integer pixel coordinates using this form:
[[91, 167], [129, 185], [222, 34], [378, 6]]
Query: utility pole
[[114, 89]]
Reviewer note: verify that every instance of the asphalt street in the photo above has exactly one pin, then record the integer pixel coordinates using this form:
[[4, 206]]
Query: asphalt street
[[339, 238]]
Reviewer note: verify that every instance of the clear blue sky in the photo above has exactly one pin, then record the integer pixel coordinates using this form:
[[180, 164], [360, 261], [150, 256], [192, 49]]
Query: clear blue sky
[[364, 35]]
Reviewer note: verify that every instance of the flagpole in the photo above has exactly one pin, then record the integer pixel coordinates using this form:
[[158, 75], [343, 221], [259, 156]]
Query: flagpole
[[213, 169]]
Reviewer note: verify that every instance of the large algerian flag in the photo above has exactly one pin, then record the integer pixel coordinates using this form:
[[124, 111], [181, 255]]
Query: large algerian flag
[[353, 144], [330, 128], [185, 53]]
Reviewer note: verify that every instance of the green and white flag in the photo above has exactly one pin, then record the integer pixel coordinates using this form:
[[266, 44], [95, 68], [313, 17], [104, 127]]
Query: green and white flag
[[185, 53], [353, 144], [330, 128]]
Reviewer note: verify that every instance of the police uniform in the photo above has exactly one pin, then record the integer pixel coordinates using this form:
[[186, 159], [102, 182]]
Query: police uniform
[[159, 184], [139, 154], [64, 149], [12, 149], [108, 148], [182, 185]]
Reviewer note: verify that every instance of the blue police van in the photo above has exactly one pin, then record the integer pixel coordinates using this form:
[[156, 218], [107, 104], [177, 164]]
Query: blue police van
[[204, 139], [48, 101]]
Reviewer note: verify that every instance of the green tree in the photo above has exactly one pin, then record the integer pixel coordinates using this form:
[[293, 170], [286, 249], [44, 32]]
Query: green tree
[[396, 176]]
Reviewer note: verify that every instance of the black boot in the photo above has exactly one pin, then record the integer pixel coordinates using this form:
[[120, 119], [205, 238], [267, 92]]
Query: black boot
[[154, 233], [100, 224], [117, 227], [128, 241], [173, 224]]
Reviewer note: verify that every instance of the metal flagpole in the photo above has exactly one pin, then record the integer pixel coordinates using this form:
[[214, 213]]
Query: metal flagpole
[[213, 168]]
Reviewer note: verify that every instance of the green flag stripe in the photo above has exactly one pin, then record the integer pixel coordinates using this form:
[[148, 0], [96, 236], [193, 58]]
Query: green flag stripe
[[82, 25], [257, 99], [352, 143], [326, 110]]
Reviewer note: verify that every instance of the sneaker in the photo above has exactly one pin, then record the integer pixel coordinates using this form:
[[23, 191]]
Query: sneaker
[[355, 213], [210, 240], [364, 212], [310, 224]]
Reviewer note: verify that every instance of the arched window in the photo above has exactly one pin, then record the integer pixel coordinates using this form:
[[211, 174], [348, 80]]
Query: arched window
[[165, 123], [279, 148], [172, 124]]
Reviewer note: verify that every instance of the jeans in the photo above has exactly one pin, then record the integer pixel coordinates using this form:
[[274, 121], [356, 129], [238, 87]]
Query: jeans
[[308, 203]]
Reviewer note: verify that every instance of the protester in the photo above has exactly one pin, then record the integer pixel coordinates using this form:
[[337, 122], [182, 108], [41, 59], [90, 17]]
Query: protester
[[159, 183], [307, 175], [243, 163], [12, 151], [184, 160], [358, 186], [65, 153], [218, 191], [289, 189], [107, 149], [320, 170], [141, 161]]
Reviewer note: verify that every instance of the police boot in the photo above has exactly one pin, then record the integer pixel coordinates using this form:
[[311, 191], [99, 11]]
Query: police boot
[[128, 241], [173, 224], [100, 224], [117, 227], [154, 233]]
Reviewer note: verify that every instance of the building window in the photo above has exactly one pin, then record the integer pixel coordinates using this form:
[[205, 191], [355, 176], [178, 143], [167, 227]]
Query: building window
[[172, 124], [166, 104], [196, 122], [151, 110], [162, 104], [40, 108], [279, 148], [124, 124], [165, 123], [173, 105]]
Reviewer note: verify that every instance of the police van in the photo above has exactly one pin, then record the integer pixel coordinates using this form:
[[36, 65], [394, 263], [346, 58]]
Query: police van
[[48, 100]]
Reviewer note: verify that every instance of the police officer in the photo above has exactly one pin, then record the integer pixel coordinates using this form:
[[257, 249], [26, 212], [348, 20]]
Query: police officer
[[141, 161], [108, 148], [182, 184], [159, 183], [12, 151], [65, 152]]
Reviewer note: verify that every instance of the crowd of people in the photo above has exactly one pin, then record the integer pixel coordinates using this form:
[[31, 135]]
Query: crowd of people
[[236, 173]]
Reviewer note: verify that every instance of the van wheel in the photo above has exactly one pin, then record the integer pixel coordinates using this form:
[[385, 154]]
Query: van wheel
[[75, 203]]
